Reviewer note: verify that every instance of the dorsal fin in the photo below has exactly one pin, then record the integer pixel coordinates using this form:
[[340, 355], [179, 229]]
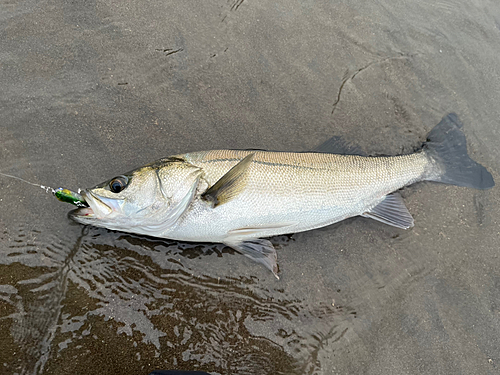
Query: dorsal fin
[[338, 145], [229, 185]]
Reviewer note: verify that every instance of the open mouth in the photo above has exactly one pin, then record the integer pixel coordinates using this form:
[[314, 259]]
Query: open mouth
[[84, 211], [96, 204], [92, 206]]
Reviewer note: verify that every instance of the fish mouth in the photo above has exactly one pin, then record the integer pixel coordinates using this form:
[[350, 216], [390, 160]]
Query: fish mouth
[[96, 209], [84, 212]]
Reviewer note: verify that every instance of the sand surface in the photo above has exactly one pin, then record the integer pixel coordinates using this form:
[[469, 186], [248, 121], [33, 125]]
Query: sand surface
[[91, 89]]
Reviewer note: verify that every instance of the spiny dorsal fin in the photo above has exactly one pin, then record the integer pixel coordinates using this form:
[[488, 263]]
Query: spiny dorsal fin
[[391, 211], [338, 145], [229, 185]]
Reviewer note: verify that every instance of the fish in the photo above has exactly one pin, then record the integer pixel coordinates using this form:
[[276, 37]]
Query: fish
[[242, 197]]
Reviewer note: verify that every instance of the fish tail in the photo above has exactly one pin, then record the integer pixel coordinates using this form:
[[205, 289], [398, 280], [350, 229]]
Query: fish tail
[[447, 148]]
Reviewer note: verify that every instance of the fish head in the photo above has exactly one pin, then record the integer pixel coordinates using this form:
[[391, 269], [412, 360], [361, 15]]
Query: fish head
[[147, 200]]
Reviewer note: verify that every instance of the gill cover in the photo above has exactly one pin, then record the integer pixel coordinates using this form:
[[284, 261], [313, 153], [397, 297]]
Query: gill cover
[[178, 184]]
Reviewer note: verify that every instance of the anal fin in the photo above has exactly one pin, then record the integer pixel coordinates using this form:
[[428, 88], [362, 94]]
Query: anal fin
[[259, 250], [391, 211]]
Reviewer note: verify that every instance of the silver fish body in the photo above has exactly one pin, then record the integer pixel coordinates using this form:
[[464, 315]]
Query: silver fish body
[[240, 197], [289, 192]]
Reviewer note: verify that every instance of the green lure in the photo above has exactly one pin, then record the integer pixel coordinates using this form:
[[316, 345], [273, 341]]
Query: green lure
[[68, 196]]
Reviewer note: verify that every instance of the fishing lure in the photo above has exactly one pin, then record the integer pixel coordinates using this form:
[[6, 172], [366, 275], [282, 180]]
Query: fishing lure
[[68, 196]]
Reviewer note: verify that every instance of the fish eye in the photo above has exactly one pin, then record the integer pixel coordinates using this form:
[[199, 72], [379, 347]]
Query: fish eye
[[117, 184]]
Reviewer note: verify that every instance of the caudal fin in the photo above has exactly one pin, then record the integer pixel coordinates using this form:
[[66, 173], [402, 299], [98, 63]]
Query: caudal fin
[[446, 144]]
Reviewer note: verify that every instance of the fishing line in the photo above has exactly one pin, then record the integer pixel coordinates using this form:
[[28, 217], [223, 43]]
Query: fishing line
[[62, 194], [46, 188]]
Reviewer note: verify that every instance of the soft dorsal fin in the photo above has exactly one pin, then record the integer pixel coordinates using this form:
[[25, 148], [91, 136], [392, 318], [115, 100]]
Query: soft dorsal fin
[[229, 185], [338, 145], [391, 211]]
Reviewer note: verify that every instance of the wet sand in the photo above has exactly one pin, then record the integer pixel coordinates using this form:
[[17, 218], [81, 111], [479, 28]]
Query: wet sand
[[93, 89]]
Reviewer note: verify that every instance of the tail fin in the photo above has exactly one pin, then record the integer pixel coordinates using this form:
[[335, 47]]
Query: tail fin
[[446, 144]]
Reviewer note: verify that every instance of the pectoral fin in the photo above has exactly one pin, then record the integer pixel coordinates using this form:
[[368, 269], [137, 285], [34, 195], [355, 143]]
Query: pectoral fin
[[259, 250], [391, 211], [229, 185]]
